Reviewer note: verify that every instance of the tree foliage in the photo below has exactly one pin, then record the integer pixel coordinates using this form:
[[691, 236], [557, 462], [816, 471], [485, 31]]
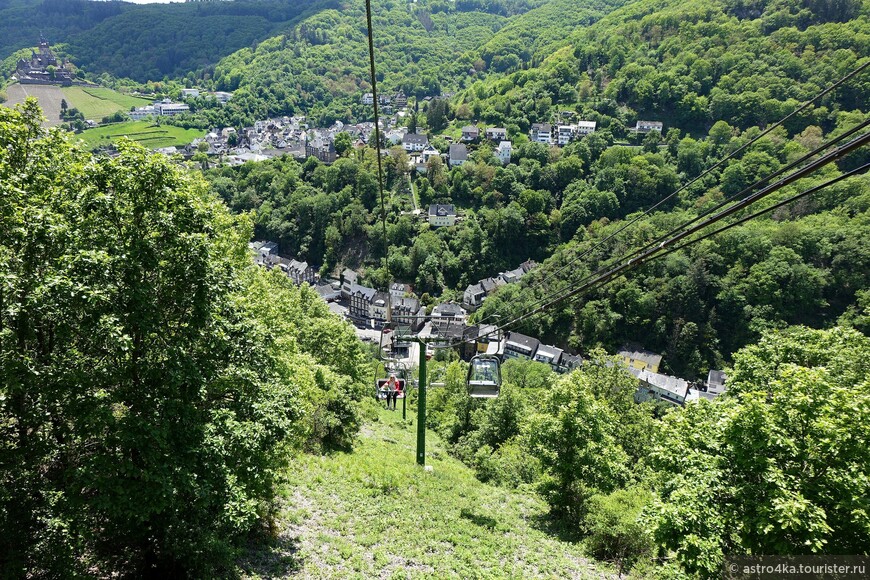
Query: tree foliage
[[778, 467], [147, 400]]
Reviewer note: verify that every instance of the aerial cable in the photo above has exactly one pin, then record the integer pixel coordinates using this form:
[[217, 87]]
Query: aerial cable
[[758, 183], [378, 151], [785, 202], [664, 247], [723, 203], [651, 254], [706, 172]]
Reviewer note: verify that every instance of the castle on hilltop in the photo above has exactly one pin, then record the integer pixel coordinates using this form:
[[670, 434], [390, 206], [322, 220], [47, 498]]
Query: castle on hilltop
[[43, 68]]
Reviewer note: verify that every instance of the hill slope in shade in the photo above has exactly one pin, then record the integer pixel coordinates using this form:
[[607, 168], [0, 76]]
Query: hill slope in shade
[[146, 42]]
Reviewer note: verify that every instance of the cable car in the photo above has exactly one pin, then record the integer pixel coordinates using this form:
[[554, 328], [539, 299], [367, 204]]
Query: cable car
[[484, 377]]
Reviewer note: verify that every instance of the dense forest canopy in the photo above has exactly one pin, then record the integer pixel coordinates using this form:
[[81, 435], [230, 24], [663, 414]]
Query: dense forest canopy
[[146, 42], [153, 381], [776, 466]]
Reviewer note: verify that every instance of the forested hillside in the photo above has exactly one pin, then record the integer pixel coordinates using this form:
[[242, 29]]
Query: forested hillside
[[169, 409], [778, 465], [689, 65], [146, 42], [711, 72], [700, 305], [423, 48]]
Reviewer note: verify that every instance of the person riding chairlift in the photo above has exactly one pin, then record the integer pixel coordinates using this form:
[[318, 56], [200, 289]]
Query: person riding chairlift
[[393, 388]]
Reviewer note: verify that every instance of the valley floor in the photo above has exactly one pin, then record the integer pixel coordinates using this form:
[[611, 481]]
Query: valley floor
[[374, 513]]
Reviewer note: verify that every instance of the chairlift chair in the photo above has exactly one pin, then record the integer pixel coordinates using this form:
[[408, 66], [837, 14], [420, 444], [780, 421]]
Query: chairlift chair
[[484, 377]]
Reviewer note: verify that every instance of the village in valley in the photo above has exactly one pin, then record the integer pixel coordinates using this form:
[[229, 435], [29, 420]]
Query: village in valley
[[274, 137], [448, 323], [367, 307]]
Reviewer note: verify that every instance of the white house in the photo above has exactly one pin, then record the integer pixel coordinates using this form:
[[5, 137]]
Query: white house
[[378, 308], [448, 312], [349, 279], [140, 113], [168, 108], [661, 387], [428, 153], [414, 141], [395, 136], [398, 290], [503, 152], [189, 93], [565, 134], [586, 127], [441, 215], [716, 382], [496, 134], [647, 126]]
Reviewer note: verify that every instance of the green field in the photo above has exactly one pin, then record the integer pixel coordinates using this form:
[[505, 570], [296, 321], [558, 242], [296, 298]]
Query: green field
[[98, 102], [145, 132], [374, 513]]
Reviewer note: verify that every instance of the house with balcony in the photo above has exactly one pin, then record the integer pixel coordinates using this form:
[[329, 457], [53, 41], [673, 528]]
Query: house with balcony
[[496, 134], [428, 153], [647, 126], [541, 133], [414, 142], [448, 311], [565, 134], [586, 127], [470, 133]]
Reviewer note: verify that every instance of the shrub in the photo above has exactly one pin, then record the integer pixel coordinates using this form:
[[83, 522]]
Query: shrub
[[614, 527]]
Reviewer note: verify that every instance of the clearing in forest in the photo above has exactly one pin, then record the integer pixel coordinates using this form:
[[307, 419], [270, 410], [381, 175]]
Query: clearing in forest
[[49, 97], [148, 133], [374, 513], [98, 102]]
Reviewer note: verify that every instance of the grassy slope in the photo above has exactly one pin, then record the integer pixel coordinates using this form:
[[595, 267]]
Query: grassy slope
[[145, 132], [375, 513], [96, 103]]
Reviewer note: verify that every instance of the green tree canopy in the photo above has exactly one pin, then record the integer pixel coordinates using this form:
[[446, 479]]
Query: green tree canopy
[[146, 401]]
